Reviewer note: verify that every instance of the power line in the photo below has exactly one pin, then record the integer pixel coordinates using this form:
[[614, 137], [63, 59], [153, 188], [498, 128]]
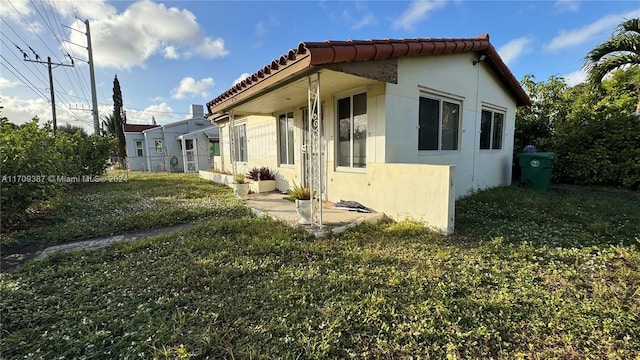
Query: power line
[[43, 78], [32, 29], [24, 78]]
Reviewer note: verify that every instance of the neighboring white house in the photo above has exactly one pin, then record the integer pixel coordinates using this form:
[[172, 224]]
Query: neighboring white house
[[184, 146], [406, 126]]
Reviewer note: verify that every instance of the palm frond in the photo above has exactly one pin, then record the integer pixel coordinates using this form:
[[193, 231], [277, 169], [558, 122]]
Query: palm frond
[[611, 63], [622, 48], [631, 25]]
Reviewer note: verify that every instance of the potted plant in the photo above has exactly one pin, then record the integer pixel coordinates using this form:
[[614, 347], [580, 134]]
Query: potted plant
[[263, 179], [240, 186], [302, 196]]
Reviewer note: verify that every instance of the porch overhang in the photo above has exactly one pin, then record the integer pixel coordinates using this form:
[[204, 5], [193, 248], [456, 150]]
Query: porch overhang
[[375, 59]]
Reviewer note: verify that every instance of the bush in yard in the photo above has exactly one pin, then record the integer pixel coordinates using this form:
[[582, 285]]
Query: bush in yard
[[592, 128], [30, 154], [598, 143]]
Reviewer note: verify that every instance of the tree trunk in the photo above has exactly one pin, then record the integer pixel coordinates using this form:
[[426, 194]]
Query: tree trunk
[[638, 104]]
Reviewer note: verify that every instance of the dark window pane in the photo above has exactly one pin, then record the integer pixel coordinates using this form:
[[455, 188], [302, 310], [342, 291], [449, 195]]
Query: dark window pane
[[485, 130], [290, 148], [282, 138], [498, 124], [359, 104], [428, 121], [450, 117], [344, 132]]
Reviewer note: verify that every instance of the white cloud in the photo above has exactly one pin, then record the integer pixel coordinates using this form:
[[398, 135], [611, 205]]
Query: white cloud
[[6, 83], [162, 112], [366, 20], [192, 86], [510, 51], [363, 18], [566, 5], [568, 38], [417, 11], [170, 52], [240, 78], [19, 9], [20, 111], [576, 77], [145, 28], [209, 48], [263, 27], [94, 9]]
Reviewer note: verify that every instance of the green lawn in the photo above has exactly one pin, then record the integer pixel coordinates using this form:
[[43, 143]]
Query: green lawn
[[529, 275], [144, 201]]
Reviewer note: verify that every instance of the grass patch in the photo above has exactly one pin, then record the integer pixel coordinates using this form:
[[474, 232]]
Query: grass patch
[[144, 201], [254, 288]]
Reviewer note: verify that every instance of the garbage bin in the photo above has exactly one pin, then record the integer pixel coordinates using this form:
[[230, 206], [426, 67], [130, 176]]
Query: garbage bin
[[537, 169]]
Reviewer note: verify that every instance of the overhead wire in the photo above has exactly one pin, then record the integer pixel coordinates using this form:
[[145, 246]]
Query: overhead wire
[[62, 93], [58, 21], [48, 22]]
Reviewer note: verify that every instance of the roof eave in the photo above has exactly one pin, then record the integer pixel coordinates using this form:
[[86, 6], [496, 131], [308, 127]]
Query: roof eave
[[287, 74]]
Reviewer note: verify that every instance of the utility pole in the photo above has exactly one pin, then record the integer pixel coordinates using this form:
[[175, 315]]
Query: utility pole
[[53, 95], [92, 76], [94, 97]]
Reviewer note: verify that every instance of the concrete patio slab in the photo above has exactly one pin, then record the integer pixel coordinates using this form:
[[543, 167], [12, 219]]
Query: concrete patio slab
[[334, 220]]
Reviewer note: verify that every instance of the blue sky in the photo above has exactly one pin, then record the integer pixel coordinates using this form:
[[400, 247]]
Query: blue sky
[[171, 54]]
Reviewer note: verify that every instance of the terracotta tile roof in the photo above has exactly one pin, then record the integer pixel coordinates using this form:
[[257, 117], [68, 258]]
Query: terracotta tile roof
[[333, 52], [137, 127]]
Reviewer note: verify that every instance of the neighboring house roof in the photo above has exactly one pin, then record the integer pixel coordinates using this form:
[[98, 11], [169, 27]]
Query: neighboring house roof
[[310, 54], [210, 132], [137, 127]]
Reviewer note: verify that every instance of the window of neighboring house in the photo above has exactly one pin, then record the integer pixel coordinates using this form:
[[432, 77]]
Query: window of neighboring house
[[491, 129], [139, 147], [158, 145], [214, 148], [285, 132], [352, 131], [439, 123], [240, 139]]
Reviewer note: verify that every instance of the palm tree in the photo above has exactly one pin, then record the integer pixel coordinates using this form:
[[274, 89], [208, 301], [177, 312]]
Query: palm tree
[[112, 125], [622, 49]]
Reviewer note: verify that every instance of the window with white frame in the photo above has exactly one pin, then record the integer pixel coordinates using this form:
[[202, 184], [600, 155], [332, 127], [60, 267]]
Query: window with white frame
[[352, 131], [158, 145], [491, 129], [139, 147], [285, 138], [438, 123], [240, 140]]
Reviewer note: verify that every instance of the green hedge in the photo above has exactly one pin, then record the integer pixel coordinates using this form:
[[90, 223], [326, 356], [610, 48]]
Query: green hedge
[[33, 161]]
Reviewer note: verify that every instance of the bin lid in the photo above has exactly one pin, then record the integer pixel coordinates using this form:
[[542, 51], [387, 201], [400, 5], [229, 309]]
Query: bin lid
[[539, 155]]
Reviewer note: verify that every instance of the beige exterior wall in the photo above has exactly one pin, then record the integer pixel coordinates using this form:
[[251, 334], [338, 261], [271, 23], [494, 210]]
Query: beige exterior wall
[[475, 87], [400, 180]]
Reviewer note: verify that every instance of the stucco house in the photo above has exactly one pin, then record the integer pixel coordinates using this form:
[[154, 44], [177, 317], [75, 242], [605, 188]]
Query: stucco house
[[404, 126], [184, 146]]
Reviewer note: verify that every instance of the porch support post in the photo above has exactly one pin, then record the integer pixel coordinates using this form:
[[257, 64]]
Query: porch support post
[[183, 144], [315, 152], [232, 144]]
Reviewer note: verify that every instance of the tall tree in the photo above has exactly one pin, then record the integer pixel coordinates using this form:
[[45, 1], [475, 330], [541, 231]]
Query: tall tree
[[72, 129], [621, 50], [119, 119]]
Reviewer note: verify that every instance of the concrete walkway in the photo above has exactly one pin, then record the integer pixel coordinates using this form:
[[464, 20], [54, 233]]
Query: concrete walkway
[[335, 220], [271, 204], [100, 242], [10, 260]]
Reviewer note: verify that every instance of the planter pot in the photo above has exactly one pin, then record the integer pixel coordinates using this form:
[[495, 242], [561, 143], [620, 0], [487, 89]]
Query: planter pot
[[262, 186], [240, 190], [303, 208]]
